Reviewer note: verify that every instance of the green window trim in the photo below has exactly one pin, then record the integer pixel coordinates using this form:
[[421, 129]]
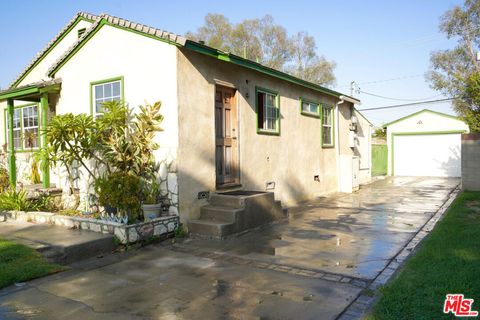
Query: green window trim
[[332, 127], [310, 114], [95, 83], [22, 148], [275, 132]]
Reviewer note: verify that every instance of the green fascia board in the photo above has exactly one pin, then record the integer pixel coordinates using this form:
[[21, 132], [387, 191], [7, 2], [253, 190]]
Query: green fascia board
[[419, 112], [309, 114], [212, 52], [18, 93], [229, 57], [12, 94], [90, 35], [39, 59]]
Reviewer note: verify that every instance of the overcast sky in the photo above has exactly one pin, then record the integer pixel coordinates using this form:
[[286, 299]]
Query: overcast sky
[[371, 41]]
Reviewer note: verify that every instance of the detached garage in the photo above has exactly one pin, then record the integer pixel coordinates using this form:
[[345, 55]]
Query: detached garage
[[425, 143]]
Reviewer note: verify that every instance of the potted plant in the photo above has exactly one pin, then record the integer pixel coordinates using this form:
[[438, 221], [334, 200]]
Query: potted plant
[[151, 207]]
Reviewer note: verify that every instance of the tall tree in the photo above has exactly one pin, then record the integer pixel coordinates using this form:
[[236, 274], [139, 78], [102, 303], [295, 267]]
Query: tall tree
[[264, 41], [456, 72], [306, 63]]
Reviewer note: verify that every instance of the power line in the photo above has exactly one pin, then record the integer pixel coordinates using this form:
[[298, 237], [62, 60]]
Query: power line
[[397, 99], [392, 79], [409, 104], [386, 80]]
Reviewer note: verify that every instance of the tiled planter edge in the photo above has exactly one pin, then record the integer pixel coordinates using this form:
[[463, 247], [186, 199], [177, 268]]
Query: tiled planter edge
[[126, 234]]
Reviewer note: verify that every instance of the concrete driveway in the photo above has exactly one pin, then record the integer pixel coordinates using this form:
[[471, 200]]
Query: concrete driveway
[[310, 267]]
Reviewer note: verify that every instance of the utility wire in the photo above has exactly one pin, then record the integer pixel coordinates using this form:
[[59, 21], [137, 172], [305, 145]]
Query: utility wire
[[397, 99], [409, 104], [385, 80]]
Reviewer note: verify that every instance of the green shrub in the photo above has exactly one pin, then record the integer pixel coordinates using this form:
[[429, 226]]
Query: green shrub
[[120, 190], [17, 200], [4, 180], [12, 199]]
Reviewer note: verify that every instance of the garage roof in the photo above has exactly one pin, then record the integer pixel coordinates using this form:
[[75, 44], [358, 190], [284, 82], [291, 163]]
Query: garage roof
[[419, 112]]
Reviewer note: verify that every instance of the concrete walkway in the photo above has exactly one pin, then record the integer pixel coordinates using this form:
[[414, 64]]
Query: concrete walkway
[[311, 267], [57, 244]]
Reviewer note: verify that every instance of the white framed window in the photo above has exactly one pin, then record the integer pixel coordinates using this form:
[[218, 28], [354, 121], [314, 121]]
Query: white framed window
[[327, 126], [268, 112], [25, 127], [30, 127], [309, 108], [105, 91]]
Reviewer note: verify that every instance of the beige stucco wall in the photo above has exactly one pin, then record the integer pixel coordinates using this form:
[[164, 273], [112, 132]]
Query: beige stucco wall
[[291, 160]]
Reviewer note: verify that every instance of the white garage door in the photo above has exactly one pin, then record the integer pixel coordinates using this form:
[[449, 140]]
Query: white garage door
[[427, 155]]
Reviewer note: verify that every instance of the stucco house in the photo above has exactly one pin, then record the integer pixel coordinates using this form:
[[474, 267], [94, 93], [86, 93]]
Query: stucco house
[[425, 143], [229, 123]]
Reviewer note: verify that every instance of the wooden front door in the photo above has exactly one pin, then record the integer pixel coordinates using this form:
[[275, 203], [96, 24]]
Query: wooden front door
[[226, 134]]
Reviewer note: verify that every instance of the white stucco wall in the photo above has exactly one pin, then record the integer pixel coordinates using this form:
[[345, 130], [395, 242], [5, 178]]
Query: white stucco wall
[[426, 121], [40, 71], [148, 67]]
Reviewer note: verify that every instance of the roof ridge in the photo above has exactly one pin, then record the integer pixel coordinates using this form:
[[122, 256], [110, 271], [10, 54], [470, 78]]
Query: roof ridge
[[49, 45], [124, 23]]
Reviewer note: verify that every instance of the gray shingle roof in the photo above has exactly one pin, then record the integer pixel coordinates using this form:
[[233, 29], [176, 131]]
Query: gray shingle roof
[[171, 37], [40, 54]]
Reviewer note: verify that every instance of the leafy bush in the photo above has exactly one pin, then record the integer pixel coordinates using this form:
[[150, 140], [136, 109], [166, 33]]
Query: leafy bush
[[4, 180], [120, 190], [119, 143], [12, 199], [18, 200]]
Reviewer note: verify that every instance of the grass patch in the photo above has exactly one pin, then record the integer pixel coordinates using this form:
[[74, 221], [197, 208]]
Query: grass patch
[[448, 261], [20, 263]]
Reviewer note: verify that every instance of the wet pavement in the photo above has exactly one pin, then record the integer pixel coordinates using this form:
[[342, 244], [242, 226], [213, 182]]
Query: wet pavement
[[309, 267], [351, 234]]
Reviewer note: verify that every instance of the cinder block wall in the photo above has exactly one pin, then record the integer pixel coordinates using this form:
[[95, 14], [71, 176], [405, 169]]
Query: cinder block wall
[[471, 161]]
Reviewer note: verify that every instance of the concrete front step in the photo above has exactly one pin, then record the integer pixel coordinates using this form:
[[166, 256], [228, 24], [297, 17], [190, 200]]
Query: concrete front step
[[220, 213], [234, 212], [210, 228], [79, 251], [223, 200], [58, 244]]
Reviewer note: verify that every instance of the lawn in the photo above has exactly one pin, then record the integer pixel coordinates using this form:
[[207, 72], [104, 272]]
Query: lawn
[[20, 263], [448, 261]]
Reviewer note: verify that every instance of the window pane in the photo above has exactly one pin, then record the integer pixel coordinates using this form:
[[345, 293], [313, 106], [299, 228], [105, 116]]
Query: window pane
[[17, 141], [98, 106], [305, 107], [327, 135], [116, 89], [31, 138], [107, 90], [98, 92], [270, 100]]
